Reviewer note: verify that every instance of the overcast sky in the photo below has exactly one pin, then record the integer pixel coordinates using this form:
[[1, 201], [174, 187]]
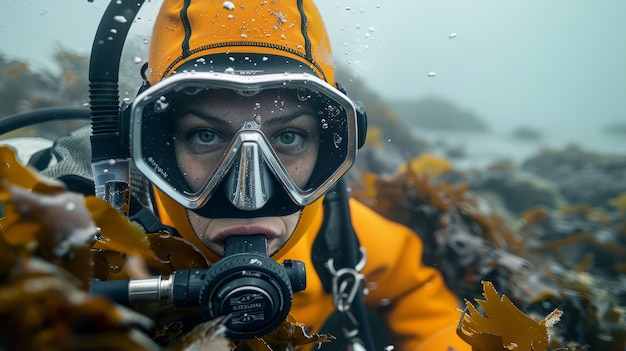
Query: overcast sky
[[554, 64]]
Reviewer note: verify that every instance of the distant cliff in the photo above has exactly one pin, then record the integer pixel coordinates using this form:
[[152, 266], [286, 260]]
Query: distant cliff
[[437, 113]]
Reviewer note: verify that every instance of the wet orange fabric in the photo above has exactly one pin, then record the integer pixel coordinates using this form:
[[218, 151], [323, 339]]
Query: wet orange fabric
[[187, 30], [421, 313], [412, 298]]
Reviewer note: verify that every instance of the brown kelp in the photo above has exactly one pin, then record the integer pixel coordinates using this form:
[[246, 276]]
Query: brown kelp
[[53, 242], [570, 258]]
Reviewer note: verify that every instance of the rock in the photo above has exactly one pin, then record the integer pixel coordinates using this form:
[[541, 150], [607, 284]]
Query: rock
[[581, 176], [526, 133], [519, 191], [437, 113]]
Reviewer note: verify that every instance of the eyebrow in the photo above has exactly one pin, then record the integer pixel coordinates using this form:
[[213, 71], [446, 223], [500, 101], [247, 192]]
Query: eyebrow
[[286, 119], [207, 117]]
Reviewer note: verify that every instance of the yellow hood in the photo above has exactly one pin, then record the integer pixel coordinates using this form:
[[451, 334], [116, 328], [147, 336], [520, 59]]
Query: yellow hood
[[190, 30]]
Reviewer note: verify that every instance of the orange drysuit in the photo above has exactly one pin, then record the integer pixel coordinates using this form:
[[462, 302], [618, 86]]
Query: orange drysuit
[[421, 313]]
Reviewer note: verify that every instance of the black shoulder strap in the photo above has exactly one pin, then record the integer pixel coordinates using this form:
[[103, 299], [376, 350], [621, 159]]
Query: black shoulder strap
[[336, 249], [336, 238]]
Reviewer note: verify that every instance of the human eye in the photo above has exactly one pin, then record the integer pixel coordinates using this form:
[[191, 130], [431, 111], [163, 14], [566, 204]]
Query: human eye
[[289, 140], [203, 139]]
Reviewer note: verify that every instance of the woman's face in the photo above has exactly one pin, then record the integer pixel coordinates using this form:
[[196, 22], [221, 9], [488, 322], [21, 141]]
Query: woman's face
[[203, 130]]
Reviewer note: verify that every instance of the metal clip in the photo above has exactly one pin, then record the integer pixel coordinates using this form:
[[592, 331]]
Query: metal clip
[[346, 282]]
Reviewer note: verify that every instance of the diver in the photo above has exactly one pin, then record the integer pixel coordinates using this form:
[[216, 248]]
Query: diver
[[240, 134]]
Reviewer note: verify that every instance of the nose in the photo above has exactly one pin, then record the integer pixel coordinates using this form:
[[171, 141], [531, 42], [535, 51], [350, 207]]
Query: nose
[[249, 183]]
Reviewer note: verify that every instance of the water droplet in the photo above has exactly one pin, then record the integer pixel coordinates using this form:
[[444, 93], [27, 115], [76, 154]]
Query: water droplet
[[138, 59], [120, 19], [229, 70], [70, 206], [161, 105], [389, 348], [228, 5], [303, 94], [337, 139], [257, 106], [244, 35], [432, 74], [452, 35], [348, 8], [6, 165], [112, 162], [324, 125]]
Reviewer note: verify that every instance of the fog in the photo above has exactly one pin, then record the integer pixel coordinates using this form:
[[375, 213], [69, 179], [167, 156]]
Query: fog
[[554, 65]]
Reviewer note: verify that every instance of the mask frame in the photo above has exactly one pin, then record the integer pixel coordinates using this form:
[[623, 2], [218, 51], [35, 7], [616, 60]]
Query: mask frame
[[245, 83]]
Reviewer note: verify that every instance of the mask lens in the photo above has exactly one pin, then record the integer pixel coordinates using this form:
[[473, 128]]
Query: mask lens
[[298, 135]]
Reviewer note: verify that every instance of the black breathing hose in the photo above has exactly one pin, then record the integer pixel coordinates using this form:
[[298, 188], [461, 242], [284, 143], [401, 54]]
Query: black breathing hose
[[104, 69], [40, 115]]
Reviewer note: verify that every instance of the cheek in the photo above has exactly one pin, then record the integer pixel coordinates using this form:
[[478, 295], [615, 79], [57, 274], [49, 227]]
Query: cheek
[[190, 171], [194, 171], [291, 222], [302, 169]]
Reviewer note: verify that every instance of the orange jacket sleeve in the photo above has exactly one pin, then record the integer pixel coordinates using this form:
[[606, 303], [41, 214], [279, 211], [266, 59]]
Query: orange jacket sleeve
[[420, 311]]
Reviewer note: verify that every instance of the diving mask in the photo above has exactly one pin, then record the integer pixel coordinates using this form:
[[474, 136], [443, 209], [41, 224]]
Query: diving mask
[[201, 137]]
